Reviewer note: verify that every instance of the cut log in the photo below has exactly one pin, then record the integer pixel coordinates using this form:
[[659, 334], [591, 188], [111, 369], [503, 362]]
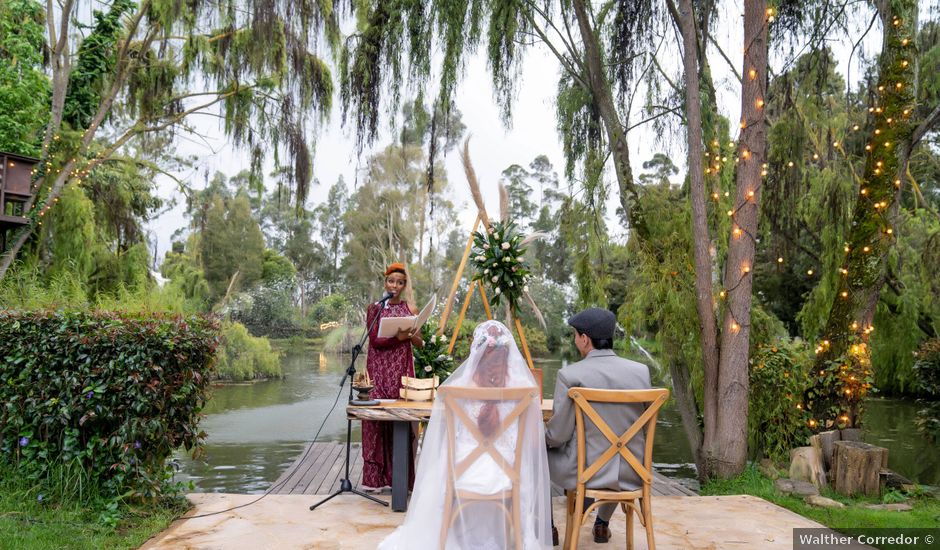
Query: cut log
[[856, 468], [850, 434], [806, 465], [824, 441]]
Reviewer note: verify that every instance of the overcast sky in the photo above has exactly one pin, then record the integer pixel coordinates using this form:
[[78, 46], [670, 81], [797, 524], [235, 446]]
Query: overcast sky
[[493, 146]]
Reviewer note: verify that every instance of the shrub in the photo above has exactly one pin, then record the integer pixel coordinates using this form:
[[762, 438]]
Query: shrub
[[777, 417], [433, 357], [246, 357], [927, 372], [107, 395]]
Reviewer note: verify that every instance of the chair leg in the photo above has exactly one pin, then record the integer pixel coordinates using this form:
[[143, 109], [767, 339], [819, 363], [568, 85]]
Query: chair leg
[[569, 518], [575, 526], [446, 518], [648, 517], [629, 512], [516, 519]]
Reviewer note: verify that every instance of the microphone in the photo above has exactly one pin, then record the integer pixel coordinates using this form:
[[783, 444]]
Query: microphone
[[386, 297]]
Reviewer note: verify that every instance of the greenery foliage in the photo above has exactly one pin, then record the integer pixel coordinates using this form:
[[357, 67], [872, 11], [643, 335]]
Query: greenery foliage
[[752, 482], [777, 418], [433, 358], [23, 82], [246, 357], [106, 396], [66, 512], [498, 257], [927, 370]]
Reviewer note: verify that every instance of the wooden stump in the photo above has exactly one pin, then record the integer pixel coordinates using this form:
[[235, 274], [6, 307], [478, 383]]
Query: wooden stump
[[856, 468], [823, 441], [806, 465]]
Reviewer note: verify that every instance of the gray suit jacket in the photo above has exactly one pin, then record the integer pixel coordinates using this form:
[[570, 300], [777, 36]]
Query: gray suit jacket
[[601, 369]]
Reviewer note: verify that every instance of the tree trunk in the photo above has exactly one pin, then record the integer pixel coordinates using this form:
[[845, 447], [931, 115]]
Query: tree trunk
[[731, 437], [843, 356], [616, 133], [708, 337]]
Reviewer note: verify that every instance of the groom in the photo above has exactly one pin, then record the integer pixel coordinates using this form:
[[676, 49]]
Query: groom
[[599, 368]]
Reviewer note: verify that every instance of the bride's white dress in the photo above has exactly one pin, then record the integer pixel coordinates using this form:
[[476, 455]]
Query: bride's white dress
[[480, 526]]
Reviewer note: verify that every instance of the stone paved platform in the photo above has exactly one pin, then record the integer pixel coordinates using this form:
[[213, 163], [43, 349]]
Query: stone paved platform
[[351, 522]]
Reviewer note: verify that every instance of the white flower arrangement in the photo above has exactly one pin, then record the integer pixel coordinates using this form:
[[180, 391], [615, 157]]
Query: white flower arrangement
[[499, 258]]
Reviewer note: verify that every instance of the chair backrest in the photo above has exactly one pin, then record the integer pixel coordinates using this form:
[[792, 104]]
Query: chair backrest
[[584, 397], [454, 412]]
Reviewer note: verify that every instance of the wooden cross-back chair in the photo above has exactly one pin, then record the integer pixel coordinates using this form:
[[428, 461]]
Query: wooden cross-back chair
[[631, 501], [454, 413]]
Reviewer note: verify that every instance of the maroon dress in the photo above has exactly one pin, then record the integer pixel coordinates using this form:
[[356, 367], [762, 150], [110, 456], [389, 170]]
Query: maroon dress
[[389, 359]]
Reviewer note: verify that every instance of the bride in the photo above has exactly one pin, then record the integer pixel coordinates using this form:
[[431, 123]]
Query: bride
[[494, 362]]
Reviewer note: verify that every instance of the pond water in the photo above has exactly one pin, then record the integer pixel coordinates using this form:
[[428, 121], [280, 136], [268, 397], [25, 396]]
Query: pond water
[[257, 430]]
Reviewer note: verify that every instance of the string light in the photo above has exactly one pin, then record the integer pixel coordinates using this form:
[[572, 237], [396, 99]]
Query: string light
[[809, 272], [780, 260], [746, 269], [736, 232], [752, 74]]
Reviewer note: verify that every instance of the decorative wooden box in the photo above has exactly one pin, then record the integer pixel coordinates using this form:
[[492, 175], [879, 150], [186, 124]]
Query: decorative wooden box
[[418, 389]]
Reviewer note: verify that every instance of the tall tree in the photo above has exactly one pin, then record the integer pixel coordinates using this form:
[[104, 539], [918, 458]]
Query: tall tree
[[844, 354], [725, 393], [162, 62], [23, 83]]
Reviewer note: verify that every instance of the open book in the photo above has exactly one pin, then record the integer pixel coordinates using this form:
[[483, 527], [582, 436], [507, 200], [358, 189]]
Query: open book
[[389, 326]]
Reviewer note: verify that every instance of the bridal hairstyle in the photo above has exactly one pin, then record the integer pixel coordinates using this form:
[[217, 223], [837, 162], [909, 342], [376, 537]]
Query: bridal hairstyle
[[491, 372]]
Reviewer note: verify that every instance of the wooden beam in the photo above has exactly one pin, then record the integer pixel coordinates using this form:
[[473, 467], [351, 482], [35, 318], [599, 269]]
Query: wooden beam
[[463, 311], [525, 344], [486, 302], [456, 283]]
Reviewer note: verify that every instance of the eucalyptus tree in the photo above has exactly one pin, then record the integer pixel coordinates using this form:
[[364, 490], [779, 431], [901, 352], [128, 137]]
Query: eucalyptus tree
[[145, 68], [725, 346]]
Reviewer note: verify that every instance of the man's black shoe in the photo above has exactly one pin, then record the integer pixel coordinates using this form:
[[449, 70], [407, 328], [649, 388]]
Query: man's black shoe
[[554, 536], [601, 533]]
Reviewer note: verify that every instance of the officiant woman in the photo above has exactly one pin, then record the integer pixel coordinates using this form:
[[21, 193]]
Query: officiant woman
[[389, 359]]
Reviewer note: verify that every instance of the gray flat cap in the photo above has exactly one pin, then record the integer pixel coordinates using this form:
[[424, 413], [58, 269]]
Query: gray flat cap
[[597, 323]]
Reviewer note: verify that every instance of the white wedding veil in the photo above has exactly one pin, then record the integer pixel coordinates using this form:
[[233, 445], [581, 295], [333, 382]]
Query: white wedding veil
[[496, 364]]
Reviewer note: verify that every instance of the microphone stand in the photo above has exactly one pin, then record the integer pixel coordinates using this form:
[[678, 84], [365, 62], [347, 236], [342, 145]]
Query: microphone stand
[[345, 484]]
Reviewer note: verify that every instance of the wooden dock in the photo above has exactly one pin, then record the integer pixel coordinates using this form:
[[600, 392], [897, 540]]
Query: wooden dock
[[317, 471]]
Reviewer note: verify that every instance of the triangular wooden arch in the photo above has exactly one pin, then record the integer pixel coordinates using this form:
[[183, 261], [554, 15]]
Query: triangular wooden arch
[[478, 285]]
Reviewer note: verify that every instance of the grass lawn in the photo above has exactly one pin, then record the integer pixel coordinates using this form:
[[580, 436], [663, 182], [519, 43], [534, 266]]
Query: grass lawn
[[27, 523], [926, 512]]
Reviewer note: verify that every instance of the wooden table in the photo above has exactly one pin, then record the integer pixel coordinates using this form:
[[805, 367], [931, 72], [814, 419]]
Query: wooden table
[[402, 414]]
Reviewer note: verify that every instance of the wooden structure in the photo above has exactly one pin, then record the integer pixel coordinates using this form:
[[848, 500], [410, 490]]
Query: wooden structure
[[856, 468], [317, 470], [418, 389], [16, 173], [639, 500], [454, 414], [474, 286]]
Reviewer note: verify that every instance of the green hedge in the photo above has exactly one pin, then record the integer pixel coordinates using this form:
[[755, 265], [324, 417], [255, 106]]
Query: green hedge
[[108, 393]]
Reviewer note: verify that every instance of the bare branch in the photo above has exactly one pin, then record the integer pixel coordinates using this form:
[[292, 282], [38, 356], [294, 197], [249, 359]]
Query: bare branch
[[731, 66]]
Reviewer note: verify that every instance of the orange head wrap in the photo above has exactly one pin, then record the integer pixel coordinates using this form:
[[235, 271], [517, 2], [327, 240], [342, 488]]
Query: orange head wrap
[[396, 267]]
